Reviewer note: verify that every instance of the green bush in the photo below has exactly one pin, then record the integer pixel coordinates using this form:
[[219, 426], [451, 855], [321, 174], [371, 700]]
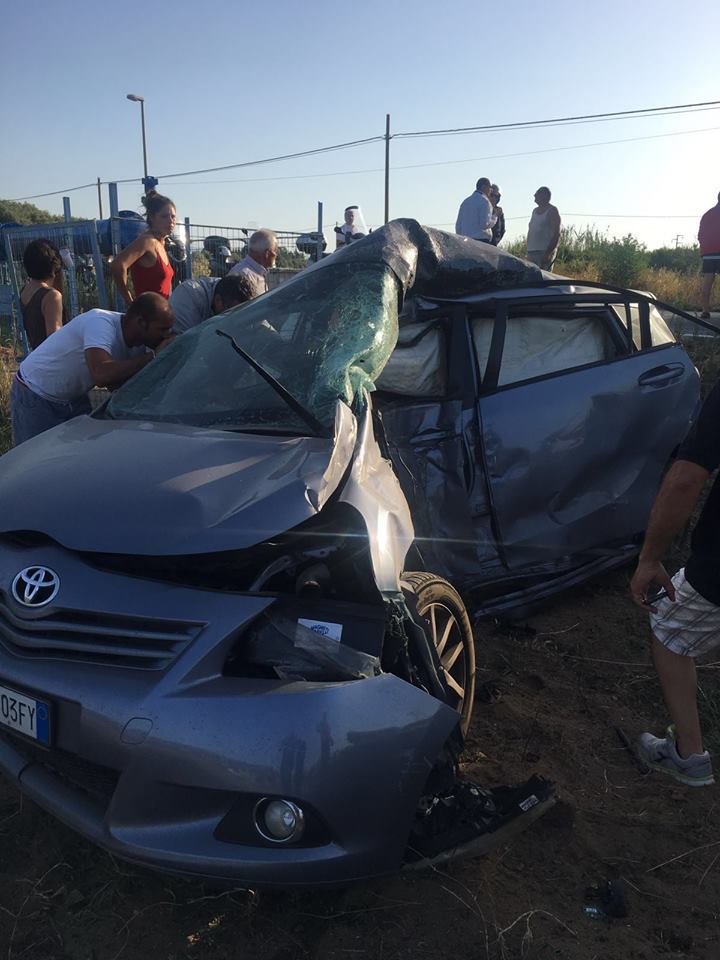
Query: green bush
[[588, 254], [685, 260], [622, 261], [291, 259], [12, 211]]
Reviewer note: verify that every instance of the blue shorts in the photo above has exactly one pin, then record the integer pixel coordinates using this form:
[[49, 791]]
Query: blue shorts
[[31, 414]]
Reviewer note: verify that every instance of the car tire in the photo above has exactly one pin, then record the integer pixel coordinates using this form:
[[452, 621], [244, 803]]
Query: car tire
[[438, 608]]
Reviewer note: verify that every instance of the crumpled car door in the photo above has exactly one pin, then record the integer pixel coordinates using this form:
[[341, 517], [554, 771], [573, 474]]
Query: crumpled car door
[[577, 427]]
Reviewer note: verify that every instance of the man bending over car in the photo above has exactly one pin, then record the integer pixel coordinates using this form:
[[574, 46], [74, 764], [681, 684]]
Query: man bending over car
[[99, 348]]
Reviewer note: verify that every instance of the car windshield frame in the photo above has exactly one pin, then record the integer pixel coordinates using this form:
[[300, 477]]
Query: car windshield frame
[[325, 335]]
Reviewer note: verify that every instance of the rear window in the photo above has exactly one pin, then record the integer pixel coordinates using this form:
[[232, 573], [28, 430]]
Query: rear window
[[659, 331], [539, 345]]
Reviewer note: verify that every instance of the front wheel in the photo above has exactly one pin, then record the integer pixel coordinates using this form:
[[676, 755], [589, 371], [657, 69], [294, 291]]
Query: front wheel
[[438, 608]]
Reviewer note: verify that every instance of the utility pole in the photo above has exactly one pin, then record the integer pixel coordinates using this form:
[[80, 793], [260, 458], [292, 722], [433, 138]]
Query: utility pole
[[387, 167], [99, 197]]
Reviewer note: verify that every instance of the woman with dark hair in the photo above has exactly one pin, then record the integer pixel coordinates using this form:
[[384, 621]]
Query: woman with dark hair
[[41, 297], [146, 258]]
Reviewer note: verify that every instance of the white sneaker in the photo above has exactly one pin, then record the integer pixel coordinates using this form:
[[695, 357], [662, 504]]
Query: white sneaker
[[661, 754]]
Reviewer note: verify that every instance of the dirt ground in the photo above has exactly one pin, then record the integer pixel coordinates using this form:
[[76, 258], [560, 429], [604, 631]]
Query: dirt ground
[[560, 684]]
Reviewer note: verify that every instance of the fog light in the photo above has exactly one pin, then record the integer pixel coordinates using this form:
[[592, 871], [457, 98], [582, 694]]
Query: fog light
[[280, 821]]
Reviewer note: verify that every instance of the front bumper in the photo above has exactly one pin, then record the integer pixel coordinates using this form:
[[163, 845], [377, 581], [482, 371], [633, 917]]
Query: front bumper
[[147, 763]]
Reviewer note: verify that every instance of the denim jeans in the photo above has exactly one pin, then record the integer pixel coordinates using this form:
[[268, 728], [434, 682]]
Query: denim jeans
[[31, 414]]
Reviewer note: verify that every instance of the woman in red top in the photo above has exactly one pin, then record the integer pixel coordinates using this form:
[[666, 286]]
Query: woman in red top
[[146, 257]]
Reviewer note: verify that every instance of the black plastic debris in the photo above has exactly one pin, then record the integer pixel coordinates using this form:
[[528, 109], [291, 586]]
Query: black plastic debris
[[607, 899], [468, 819]]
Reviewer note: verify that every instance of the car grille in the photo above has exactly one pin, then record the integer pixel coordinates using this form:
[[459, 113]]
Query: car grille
[[91, 778], [141, 642]]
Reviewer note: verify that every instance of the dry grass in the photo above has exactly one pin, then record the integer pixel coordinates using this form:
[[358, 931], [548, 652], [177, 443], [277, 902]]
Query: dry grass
[[672, 275], [679, 289], [6, 367], [705, 354]]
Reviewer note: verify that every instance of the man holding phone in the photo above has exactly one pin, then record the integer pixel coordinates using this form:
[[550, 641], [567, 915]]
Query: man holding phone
[[685, 616]]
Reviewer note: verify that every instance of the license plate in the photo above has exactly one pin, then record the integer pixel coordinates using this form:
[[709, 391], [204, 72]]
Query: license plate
[[24, 715]]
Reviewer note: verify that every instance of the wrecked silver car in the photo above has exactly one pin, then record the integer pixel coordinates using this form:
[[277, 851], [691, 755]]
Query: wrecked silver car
[[225, 646]]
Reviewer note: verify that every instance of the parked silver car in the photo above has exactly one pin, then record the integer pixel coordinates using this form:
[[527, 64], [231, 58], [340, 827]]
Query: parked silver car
[[213, 658]]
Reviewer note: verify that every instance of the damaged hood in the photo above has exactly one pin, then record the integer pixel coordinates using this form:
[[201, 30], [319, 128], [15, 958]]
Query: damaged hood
[[204, 451], [150, 489]]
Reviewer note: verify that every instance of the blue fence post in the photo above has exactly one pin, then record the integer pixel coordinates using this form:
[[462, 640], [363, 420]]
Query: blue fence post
[[188, 249], [18, 328], [99, 267], [115, 236], [70, 247], [320, 231]]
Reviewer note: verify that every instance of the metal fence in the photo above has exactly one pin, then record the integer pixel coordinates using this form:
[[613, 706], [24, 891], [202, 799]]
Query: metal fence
[[84, 283], [198, 250], [212, 250]]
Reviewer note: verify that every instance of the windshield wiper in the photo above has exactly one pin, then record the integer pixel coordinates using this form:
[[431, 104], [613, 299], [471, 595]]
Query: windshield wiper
[[309, 418]]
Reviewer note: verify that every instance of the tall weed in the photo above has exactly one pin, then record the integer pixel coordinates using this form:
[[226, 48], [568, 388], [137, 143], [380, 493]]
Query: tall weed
[[5, 381], [671, 274]]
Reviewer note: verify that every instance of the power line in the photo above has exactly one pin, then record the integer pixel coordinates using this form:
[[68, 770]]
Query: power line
[[601, 216], [257, 163], [230, 166], [628, 216], [53, 193], [590, 118], [444, 163], [668, 110], [585, 118]]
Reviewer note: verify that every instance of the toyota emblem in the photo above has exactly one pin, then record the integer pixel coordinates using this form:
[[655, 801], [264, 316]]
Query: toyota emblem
[[35, 586]]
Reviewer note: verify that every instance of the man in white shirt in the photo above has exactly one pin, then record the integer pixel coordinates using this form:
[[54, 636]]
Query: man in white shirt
[[99, 348], [475, 217], [261, 256], [194, 301], [543, 231]]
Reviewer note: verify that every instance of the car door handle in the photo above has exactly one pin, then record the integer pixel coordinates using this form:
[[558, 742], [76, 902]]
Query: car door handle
[[659, 376]]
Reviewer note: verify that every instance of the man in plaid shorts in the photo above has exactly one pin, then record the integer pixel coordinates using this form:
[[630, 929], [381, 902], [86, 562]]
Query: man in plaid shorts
[[685, 616]]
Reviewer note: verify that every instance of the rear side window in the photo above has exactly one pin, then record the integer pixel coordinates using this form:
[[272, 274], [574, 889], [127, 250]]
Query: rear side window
[[536, 346], [659, 331], [417, 367]]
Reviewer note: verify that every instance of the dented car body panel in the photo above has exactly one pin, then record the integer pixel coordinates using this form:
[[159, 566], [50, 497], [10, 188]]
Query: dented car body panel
[[534, 452], [167, 755], [208, 608]]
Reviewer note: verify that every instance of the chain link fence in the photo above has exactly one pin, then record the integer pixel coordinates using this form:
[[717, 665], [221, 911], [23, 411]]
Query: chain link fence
[[195, 250]]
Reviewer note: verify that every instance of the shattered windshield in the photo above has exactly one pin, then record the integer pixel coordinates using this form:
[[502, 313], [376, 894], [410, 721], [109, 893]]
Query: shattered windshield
[[324, 335]]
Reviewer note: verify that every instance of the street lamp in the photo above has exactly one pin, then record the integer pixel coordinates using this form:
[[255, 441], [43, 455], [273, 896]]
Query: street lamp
[[141, 100]]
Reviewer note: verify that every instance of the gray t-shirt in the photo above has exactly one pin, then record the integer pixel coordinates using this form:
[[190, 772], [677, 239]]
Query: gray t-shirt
[[255, 272], [191, 302], [57, 369]]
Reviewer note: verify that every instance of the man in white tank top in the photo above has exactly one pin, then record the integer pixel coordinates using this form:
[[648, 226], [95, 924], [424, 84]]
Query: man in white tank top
[[543, 231]]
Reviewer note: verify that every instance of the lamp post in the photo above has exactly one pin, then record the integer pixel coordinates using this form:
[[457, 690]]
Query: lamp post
[[141, 100]]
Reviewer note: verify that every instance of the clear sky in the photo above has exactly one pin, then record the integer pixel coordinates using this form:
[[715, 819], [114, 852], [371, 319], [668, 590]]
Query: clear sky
[[227, 82]]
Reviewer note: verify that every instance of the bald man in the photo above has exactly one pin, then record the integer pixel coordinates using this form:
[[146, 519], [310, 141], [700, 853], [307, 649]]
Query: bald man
[[261, 257], [99, 348]]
